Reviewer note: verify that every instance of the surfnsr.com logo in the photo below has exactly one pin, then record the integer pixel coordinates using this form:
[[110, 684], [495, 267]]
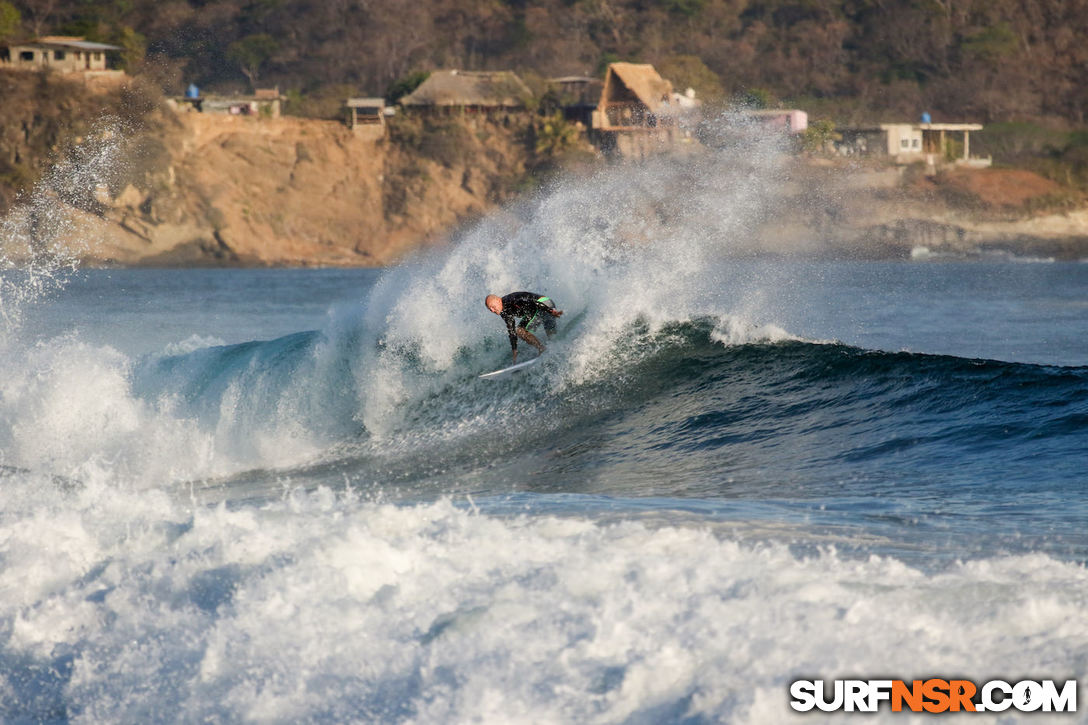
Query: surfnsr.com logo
[[933, 695]]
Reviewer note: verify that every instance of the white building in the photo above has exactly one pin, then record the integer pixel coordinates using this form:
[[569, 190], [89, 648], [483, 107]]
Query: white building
[[64, 54]]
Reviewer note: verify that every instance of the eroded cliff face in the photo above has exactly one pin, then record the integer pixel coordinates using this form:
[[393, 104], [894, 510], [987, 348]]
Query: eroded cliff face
[[191, 189], [842, 210], [214, 190]]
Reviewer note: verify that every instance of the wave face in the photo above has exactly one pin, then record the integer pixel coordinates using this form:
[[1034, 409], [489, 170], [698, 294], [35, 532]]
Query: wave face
[[711, 485], [677, 411], [705, 408]]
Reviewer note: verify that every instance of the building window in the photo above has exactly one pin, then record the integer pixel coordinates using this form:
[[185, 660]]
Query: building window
[[916, 143], [58, 55], [904, 143], [27, 56], [98, 56]]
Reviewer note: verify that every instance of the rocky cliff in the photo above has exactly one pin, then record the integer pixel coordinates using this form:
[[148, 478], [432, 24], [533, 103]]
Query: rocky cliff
[[880, 212], [215, 189], [187, 189], [200, 189]]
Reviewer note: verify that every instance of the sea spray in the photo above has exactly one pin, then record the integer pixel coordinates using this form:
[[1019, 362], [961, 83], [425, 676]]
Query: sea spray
[[633, 242], [40, 249], [41, 239]]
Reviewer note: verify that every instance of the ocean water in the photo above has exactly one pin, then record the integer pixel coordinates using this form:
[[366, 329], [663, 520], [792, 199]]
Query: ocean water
[[285, 496]]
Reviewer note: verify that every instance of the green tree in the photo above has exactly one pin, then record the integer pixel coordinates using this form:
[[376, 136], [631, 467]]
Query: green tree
[[755, 98], [606, 59], [134, 48], [405, 85], [10, 20], [819, 136], [689, 71], [554, 136], [251, 53], [991, 44]]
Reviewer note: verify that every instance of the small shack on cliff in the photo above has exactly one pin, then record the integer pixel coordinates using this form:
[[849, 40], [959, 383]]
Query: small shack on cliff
[[935, 144], [365, 112], [61, 53], [468, 92]]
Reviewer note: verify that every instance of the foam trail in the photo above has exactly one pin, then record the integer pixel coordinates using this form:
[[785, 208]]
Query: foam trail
[[327, 608]]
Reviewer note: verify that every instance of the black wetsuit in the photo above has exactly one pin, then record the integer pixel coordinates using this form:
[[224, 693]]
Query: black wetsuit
[[531, 308]]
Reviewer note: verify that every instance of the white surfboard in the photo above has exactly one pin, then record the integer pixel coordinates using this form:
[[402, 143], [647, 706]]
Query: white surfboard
[[507, 372]]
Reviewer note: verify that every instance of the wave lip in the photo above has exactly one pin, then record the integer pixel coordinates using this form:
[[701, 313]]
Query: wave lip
[[721, 393]]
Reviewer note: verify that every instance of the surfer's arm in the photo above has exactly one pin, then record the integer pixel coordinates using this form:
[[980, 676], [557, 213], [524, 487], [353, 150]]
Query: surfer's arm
[[513, 335]]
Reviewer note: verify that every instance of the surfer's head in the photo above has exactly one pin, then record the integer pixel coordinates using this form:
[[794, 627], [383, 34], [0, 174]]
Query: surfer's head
[[494, 303]]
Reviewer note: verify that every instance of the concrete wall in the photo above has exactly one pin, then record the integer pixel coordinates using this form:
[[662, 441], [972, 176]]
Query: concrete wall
[[904, 140]]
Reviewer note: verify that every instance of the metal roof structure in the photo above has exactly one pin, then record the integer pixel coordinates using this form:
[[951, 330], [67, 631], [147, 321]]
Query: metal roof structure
[[65, 41]]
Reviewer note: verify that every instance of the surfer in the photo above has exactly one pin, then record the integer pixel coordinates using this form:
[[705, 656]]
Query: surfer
[[532, 309]]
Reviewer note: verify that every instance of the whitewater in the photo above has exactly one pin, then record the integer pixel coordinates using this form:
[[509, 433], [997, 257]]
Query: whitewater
[[284, 495]]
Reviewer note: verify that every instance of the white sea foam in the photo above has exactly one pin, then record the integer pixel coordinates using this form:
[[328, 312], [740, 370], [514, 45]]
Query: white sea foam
[[130, 607], [735, 331], [69, 408], [192, 344], [923, 253]]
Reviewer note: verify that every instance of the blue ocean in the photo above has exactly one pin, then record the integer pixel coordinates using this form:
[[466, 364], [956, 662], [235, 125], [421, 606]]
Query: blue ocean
[[286, 496]]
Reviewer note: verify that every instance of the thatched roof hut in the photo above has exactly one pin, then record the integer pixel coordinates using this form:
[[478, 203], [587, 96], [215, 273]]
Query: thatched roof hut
[[478, 90], [634, 97]]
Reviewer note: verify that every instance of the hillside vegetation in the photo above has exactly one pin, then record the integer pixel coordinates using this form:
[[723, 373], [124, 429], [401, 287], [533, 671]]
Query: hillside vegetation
[[204, 190], [984, 59]]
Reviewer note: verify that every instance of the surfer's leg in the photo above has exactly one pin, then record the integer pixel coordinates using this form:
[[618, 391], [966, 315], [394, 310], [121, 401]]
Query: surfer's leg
[[530, 338]]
